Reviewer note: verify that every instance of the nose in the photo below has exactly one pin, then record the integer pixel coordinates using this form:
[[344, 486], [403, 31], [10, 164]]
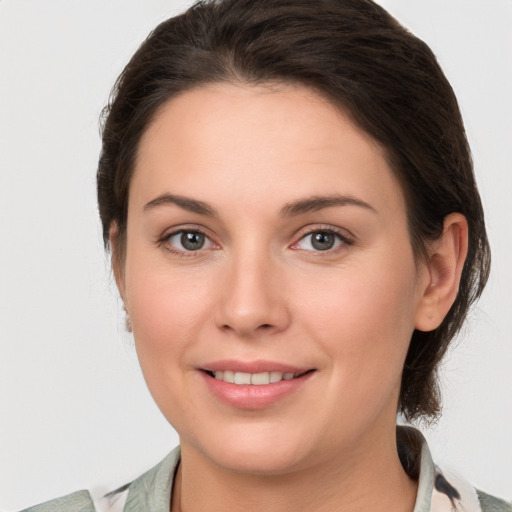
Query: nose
[[252, 297]]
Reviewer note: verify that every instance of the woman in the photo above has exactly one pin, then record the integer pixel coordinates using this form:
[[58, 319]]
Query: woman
[[296, 234]]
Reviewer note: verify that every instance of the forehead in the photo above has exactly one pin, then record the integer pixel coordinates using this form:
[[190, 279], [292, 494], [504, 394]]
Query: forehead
[[245, 143]]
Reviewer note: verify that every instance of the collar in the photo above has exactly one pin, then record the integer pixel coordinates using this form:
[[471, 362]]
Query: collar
[[438, 491]]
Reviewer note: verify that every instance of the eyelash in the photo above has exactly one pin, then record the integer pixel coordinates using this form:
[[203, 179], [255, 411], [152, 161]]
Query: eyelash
[[341, 236]]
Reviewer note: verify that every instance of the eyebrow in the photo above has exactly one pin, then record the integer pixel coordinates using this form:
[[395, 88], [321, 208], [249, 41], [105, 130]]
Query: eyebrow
[[299, 207], [191, 205], [316, 203]]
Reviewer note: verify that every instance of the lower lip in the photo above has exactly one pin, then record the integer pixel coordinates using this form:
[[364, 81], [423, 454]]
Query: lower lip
[[251, 396]]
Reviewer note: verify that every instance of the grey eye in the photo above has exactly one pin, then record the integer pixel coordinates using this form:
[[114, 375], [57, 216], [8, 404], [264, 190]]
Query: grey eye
[[320, 241], [192, 241], [323, 241], [188, 240]]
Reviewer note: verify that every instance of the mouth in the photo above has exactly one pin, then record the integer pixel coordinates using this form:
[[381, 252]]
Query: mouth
[[254, 379], [254, 385]]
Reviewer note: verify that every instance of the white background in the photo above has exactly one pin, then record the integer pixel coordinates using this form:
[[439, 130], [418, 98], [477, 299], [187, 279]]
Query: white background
[[74, 410]]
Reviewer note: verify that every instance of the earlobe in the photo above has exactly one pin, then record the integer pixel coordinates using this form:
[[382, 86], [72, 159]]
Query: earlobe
[[443, 272]]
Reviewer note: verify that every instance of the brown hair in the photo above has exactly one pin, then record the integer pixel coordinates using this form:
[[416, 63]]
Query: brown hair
[[357, 55]]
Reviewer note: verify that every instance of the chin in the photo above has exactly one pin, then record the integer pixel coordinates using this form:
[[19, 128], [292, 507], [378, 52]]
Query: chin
[[260, 450], [269, 462]]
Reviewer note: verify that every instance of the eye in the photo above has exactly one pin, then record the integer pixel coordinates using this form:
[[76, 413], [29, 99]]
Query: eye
[[188, 241], [321, 240]]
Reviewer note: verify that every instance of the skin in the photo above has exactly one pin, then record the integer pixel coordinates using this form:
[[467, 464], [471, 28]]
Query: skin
[[259, 290]]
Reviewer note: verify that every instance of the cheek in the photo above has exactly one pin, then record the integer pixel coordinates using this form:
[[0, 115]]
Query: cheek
[[168, 314], [168, 311], [364, 318]]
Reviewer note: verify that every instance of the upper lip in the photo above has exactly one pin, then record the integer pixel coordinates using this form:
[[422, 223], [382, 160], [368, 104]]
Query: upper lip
[[253, 367]]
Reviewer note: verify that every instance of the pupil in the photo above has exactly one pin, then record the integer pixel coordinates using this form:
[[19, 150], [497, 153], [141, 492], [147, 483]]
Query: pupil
[[323, 241], [192, 241]]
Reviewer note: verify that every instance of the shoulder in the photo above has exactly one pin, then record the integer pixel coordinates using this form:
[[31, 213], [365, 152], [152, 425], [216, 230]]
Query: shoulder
[[151, 491], [441, 489], [453, 492], [82, 501], [79, 501], [490, 503]]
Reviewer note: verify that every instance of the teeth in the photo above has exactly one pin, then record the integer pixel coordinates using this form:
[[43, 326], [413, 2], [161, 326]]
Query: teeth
[[259, 379], [228, 376], [242, 378], [276, 376], [256, 379]]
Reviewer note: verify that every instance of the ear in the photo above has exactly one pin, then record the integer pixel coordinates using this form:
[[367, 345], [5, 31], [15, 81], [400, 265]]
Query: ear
[[117, 258], [443, 270]]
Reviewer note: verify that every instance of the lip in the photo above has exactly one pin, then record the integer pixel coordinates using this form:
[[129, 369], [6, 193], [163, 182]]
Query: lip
[[252, 366], [252, 397]]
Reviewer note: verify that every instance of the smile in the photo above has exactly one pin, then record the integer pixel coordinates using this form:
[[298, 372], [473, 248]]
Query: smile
[[256, 389], [255, 379]]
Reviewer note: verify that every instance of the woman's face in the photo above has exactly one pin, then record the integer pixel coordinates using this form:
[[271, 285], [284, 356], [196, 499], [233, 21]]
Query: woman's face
[[267, 242]]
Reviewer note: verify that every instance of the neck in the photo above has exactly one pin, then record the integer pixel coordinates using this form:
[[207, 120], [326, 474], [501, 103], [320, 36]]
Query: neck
[[354, 482]]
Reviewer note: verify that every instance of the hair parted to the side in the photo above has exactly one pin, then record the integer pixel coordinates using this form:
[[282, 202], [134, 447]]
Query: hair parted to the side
[[360, 58]]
